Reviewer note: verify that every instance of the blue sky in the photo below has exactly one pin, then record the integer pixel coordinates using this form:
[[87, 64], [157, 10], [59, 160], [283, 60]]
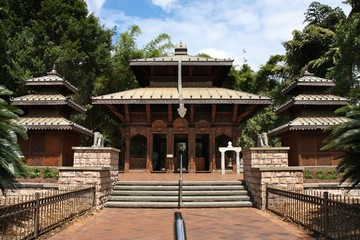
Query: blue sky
[[236, 29]]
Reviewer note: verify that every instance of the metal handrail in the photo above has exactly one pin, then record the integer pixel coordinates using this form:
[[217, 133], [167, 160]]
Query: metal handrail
[[179, 227], [180, 182]]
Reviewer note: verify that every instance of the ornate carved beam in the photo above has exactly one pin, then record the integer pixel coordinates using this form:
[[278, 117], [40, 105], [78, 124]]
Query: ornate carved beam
[[213, 112], [148, 113], [248, 110], [114, 111]]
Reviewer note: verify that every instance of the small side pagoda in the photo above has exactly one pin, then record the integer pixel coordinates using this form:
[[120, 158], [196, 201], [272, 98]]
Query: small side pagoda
[[311, 110], [46, 117]]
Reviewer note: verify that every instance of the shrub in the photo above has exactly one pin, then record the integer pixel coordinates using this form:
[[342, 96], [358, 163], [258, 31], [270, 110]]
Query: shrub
[[34, 172], [48, 173], [307, 174]]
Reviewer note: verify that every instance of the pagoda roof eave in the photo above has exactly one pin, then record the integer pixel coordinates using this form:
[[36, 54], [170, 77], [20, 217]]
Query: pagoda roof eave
[[186, 60], [53, 123], [320, 100], [309, 80], [46, 99], [52, 78], [307, 123], [170, 95]]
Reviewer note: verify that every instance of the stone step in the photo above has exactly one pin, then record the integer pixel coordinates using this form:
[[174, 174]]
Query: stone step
[[176, 198], [195, 194], [233, 204], [176, 183], [176, 188], [176, 193]]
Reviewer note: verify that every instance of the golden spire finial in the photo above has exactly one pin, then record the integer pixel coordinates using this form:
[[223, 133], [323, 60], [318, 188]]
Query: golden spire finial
[[181, 44]]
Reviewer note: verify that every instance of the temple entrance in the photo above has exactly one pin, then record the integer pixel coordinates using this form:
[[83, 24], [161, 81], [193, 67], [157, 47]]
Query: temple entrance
[[159, 152], [181, 149], [202, 152]]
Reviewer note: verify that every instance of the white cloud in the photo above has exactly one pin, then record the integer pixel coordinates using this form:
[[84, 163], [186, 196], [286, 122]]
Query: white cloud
[[166, 5], [95, 6], [223, 28]]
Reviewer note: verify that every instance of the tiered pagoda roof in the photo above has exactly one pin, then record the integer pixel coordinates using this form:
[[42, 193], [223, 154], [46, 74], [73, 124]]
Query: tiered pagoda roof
[[312, 107], [201, 81], [49, 109]]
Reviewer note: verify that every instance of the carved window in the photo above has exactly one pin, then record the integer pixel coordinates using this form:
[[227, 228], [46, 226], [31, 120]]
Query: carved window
[[138, 146]]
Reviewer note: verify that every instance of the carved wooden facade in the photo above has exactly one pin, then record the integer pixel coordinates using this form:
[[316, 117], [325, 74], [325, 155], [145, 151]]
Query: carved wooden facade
[[150, 118]]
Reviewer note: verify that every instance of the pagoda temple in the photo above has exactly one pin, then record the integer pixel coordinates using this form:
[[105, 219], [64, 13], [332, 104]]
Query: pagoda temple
[[46, 117], [180, 107], [311, 111]]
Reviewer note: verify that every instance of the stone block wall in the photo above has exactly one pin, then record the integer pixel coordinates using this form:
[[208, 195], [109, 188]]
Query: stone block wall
[[266, 166], [93, 166], [100, 177]]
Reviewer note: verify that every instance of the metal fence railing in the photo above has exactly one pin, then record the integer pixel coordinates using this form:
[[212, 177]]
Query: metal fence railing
[[334, 216], [29, 216]]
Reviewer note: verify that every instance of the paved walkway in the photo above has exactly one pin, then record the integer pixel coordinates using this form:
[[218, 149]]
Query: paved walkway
[[157, 224]]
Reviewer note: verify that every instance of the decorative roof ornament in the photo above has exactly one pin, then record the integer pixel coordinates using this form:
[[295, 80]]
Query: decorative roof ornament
[[181, 49], [53, 71]]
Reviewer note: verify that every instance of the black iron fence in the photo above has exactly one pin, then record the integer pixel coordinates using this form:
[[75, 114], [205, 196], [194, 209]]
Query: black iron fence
[[334, 216], [29, 216]]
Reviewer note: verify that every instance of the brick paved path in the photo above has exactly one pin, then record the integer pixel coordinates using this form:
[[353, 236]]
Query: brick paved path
[[201, 224], [157, 224]]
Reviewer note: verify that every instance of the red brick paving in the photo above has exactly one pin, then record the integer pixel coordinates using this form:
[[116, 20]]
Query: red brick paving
[[157, 224]]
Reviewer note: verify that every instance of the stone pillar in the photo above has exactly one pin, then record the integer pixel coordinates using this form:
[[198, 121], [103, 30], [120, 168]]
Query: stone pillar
[[93, 166], [268, 167], [98, 157]]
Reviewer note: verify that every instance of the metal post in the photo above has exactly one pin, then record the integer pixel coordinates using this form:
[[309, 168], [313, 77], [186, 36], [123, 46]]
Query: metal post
[[180, 182], [179, 227], [326, 214], [36, 213]]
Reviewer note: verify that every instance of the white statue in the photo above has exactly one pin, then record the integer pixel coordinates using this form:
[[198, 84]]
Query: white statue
[[98, 140], [262, 140]]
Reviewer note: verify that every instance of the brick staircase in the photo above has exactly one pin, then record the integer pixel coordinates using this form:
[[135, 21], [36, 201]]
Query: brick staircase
[[165, 194]]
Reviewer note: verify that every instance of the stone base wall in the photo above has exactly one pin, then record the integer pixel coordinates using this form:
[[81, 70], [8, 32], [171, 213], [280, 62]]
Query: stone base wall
[[93, 166], [82, 176], [265, 167]]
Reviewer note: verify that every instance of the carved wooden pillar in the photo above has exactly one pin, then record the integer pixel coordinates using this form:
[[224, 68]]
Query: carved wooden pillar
[[213, 113], [170, 153], [170, 116], [191, 140], [149, 150], [127, 153], [212, 151]]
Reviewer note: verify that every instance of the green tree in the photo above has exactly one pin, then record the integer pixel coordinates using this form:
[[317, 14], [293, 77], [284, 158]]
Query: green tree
[[346, 136], [41, 33], [261, 122], [313, 48], [10, 153], [346, 71], [121, 76]]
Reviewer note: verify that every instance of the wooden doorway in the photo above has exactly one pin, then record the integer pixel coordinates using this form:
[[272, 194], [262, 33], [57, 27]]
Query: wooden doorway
[[181, 148], [159, 153], [202, 160]]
